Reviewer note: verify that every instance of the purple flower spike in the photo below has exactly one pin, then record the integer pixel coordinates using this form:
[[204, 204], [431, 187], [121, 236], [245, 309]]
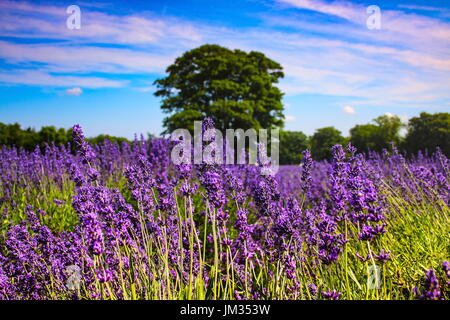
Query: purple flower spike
[[331, 295], [432, 288]]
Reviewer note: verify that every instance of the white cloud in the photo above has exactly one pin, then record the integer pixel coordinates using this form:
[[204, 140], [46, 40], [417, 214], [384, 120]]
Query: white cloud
[[74, 91], [400, 66], [341, 9], [97, 26], [85, 58], [146, 89], [40, 78], [289, 118], [424, 8], [404, 118], [348, 109]]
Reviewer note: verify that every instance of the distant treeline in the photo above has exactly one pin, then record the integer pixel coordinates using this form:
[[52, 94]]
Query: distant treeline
[[423, 133], [29, 138]]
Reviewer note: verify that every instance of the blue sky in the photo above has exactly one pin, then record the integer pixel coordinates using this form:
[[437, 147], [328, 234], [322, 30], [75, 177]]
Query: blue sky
[[338, 71]]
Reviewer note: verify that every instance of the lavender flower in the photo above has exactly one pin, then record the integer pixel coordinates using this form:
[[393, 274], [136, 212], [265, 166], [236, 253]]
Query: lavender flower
[[431, 289], [84, 148], [446, 269], [331, 295]]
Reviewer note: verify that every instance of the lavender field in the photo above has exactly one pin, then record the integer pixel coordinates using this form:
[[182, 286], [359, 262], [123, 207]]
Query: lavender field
[[122, 222]]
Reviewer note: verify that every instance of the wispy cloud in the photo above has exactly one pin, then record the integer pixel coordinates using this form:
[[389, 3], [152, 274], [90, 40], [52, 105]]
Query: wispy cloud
[[19, 19], [343, 9], [146, 89], [423, 8], [31, 77], [396, 24], [405, 64], [67, 58]]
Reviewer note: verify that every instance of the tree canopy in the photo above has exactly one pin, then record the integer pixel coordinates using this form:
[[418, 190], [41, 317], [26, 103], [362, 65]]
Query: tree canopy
[[378, 135], [29, 138], [234, 88], [292, 143], [427, 132], [322, 141]]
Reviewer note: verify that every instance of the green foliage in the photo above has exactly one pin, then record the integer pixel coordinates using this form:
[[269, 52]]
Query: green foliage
[[292, 143], [427, 132], [29, 138], [235, 88], [364, 136], [13, 135], [378, 136], [322, 141], [50, 134], [102, 137]]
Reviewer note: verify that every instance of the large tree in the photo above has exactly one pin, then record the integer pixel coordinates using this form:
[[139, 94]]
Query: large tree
[[234, 88], [429, 131]]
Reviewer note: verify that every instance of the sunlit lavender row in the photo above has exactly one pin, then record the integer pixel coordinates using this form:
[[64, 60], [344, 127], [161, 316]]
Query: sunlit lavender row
[[121, 221]]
